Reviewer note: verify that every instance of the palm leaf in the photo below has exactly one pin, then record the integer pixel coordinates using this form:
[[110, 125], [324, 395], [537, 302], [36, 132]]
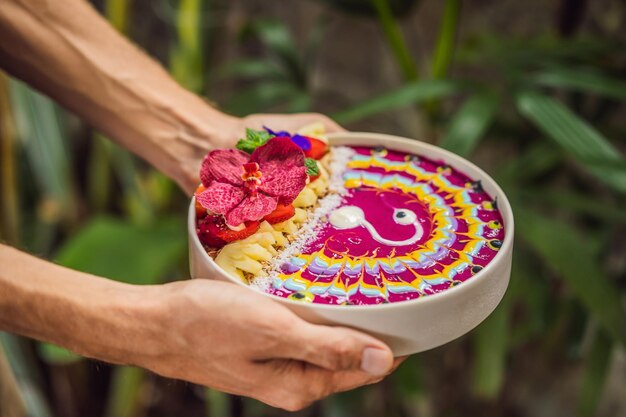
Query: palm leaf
[[578, 203], [251, 68], [444, 50], [262, 97], [275, 35], [584, 80], [575, 136], [595, 376], [41, 131], [569, 254], [126, 252], [469, 124], [490, 342], [395, 39], [537, 160], [27, 374], [411, 93]]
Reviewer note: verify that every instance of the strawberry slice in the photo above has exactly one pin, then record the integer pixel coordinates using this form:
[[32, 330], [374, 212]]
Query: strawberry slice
[[206, 232], [313, 177], [200, 211], [217, 227], [318, 148], [230, 235], [280, 214], [212, 231]]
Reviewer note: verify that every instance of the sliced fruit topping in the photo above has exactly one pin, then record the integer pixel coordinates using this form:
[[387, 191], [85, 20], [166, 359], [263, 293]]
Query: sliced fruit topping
[[318, 148], [214, 232], [206, 232], [230, 235], [200, 211], [283, 212]]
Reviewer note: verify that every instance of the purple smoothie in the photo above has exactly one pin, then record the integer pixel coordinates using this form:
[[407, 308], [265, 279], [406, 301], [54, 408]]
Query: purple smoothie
[[407, 227]]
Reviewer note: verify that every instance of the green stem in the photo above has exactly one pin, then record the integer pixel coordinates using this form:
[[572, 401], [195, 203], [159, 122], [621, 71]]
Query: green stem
[[444, 49], [395, 39], [10, 199], [216, 403], [442, 56], [116, 11], [136, 199], [27, 373], [186, 60], [124, 400], [99, 173]]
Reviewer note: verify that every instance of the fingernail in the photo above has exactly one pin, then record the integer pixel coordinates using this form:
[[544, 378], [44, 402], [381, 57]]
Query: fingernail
[[375, 361]]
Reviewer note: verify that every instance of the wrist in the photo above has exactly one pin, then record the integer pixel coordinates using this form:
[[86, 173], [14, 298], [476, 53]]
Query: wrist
[[92, 316], [121, 323], [198, 129]]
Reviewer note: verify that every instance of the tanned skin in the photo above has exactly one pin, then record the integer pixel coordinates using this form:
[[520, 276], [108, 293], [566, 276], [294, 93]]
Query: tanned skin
[[207, 332]]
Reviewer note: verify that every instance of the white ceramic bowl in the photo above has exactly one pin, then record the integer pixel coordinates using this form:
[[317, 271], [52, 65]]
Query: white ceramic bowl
[[407, 326]]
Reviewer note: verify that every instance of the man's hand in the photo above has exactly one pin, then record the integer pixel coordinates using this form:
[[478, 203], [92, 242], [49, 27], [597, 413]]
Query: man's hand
[[212, 333], [235, 340], [235, 129], [232, 129], [72, 54]]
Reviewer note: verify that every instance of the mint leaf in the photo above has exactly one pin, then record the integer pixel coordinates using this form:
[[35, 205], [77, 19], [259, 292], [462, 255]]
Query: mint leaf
[[312, 169], [254, 139]]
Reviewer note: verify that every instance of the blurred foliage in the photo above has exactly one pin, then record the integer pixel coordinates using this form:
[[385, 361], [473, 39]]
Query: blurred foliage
[[282, 83], [542, 113], [399, 8]]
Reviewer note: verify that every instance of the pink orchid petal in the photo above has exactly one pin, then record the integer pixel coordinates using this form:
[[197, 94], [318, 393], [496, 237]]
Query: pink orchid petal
[[220, 197], [251, 208], [282, 164], [285, 184], [223, 165], [278, 152]]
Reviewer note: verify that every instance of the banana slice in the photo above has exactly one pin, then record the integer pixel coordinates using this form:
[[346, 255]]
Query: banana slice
[[320, 185], [248, 255], [314, 130], [306, 198]]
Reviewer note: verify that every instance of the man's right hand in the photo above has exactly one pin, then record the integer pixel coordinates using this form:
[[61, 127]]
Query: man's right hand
[[207, 332], [235, 340]]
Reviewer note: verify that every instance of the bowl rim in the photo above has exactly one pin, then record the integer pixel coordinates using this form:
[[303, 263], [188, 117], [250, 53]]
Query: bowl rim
[[450, 158]]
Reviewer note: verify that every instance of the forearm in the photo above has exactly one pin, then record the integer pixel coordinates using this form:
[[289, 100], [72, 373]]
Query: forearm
[[65, 49], [92, 316]]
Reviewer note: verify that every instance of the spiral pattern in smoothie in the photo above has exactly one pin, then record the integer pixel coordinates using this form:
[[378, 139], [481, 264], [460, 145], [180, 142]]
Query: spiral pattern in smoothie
[[408, 227]]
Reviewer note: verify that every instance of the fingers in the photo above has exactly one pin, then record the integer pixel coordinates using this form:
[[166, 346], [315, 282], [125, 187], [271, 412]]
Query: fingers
[[294, 385], [290, 122], [332, 126], [329, 124], [336, 348]]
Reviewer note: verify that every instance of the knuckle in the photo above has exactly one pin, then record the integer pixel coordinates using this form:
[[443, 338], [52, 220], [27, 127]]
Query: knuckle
[[322, 390], [320, 386], [344, 354]]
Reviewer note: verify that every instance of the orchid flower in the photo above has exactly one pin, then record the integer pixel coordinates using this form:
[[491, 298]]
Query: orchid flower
[[245, 187]]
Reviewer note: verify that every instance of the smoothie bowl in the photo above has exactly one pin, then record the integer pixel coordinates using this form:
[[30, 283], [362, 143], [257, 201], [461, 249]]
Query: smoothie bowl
[[391, 236]]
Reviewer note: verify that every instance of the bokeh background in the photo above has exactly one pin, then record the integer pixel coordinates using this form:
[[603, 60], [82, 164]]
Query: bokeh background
[[534, 92]]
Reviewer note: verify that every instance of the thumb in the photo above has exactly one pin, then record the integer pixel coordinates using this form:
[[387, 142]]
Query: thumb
[[338, 349]]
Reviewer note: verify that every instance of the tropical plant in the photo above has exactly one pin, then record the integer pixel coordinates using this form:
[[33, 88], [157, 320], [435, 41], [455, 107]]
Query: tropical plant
[[541, 113]]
